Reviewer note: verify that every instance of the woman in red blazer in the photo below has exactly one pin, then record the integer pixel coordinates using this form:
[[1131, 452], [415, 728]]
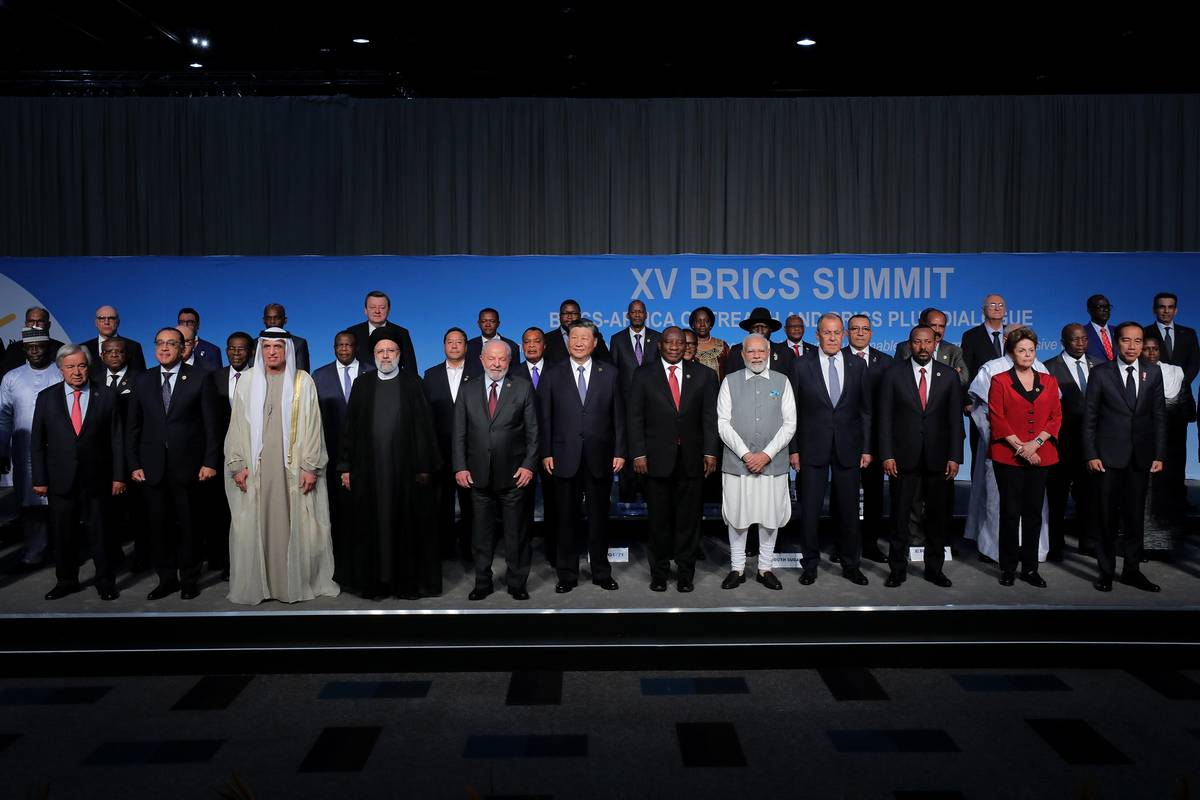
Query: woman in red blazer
[[1025, 415]]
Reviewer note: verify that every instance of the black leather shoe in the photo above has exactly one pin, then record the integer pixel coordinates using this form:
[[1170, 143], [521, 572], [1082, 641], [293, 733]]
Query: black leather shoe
[[519, 593], [685, 585], [1102, 584], [1138, 580], [855, 576], [1033, 579], [733, 580], [658, 585], [986, 559], [871, 552], [163, 590], [939, 579], [188, 591], [478, 594], [895, 578], [61, 590], [1055, 555], [563, 588], [808, 577], [607, 584], [769, 580], [108, 594], [1007, 578]]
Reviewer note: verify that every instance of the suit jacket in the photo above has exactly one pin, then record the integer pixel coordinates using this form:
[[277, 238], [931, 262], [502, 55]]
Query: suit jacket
[[441, 405], [475, 350], [1070, 436], [662, 434], [1095, 346], [571, 429], [915, 436], [68, 463], [494, 448], [121, 391], [363, 352], [173, 446], [947, 353], [781, 357], [878, 365], [299, 345], [207, 354], [219, 396], [556, 348], [978, 348], [624, 359], [133, 352], [1011, 414], [826, 434], [1185, 353], [1113, 432]]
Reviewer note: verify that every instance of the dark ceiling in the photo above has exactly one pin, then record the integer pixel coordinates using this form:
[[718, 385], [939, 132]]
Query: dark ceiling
[[515, 49]]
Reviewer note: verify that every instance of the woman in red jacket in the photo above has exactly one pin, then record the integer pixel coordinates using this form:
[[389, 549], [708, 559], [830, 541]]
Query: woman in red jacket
[[1025, 415]]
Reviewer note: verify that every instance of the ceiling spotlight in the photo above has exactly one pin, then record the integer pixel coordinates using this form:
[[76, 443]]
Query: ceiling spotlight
[[361, 40], [806, 42], [204, 43], [195, 41], [195, 65]]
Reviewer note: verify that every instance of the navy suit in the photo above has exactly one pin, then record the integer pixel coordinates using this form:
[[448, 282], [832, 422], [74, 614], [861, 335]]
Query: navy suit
[[1095, 347], [583, 438], [207, 354]]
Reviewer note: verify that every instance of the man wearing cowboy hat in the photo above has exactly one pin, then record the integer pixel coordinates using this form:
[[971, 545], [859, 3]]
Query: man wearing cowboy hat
[[761, 322]]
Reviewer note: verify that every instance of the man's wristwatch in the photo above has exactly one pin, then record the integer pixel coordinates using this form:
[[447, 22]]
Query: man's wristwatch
[[1040, 441]]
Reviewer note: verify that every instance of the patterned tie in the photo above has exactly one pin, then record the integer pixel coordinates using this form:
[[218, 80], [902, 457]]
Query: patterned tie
[[1168, 345], [1130, 388], [492, 402], [922, 388], [637, 347], [346, 383], [166, 391], [1081, 375], [582, 386], [862, 355], [76, 413], [674, 381], [535, 377], [835, 387], [1104, 340], [996, 343]]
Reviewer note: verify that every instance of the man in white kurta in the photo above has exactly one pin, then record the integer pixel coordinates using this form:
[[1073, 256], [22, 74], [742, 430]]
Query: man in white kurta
[[983, 511], [280, 545], [756, 418]]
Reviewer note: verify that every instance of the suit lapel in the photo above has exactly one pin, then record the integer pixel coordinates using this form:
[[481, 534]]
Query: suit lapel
[[506, 388], [813, 365]]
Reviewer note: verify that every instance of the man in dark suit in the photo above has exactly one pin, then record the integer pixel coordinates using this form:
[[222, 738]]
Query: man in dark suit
[[672, 423], [172, 446], [75, 445], [583, 446], [858, 331], [489, 330], [1101, 338], [275, 316], [14, 355], [376, 307], [214, 513], [495, 453], [921, 447], [556, 340], [533, 344], [832, 444], [1071, 368], [985, 341], [793, 342], [205, 353], [108, 322], [189, 349], [127, 511], [1179, 347], [1124, 441], [944, 352], [631, 347], [761, 322], [442, 384]]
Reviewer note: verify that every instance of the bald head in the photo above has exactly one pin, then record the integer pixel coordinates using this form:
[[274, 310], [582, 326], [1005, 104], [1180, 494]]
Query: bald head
[[107, 321]]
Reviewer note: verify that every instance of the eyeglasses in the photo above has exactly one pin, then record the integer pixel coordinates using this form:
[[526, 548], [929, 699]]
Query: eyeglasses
[[166, 343], [994, 305]]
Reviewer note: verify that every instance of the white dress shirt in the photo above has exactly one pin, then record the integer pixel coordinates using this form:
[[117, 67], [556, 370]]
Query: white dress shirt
[[115, 377], [587, 372], [1071, 361], [487, 387], [233, 383], [1124, 375], [838, 365], [540, 365], [454, 377], [928, 374]]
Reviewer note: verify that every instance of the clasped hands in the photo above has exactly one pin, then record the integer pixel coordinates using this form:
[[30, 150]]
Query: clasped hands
[[1026, 450], [523, 476]]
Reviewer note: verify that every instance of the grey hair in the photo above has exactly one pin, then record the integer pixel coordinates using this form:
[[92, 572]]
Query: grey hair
[[753, 337], [830, 315], [507, 347], [68, 350]]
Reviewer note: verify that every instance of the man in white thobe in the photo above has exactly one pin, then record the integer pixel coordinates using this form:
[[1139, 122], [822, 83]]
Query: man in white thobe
[[756, 418], [280, 545]]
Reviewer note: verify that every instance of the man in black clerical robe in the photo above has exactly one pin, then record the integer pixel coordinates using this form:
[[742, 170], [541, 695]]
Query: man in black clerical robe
[[388, 451]]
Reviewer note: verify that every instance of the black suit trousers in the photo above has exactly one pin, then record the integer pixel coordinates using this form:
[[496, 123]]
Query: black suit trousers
[[1070, 478], [813, 482], [66, 511], [935, 490], [675, 507], [454, 536], [172, 509], [544, 489], [1022, 491], [568, 493], [510, 504], [1121, 497], [872, 499]]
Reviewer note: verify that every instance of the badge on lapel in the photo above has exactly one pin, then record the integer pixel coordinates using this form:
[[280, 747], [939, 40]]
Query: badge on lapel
[[937, 374], [183, 377]]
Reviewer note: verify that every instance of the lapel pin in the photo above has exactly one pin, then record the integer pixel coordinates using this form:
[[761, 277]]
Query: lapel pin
[[937, 374], [183, 377]]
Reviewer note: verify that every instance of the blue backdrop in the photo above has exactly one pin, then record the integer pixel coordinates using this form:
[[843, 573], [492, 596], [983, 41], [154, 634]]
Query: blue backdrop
[[324, 294]]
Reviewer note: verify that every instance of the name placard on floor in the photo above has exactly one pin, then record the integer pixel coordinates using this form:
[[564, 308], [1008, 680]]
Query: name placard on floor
[[918, 554], [618, 555], [787, 561]]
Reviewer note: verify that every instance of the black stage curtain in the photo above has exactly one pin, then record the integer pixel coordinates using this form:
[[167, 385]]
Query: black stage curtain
[[334, 176]]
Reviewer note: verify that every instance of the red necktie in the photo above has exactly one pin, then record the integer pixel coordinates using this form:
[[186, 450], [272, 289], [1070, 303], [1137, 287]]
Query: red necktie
[[674, 386], [921, 388], [796, 348], [76, 414], [492, 401], [1104, 340]]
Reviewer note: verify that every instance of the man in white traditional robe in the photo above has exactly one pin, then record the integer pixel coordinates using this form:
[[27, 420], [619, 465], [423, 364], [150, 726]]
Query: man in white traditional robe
[[756, 418], [280, 546], [983, 511]]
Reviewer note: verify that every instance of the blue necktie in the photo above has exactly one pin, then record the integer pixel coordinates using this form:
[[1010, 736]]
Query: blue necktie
[[582, 387], [835, 388], [1082, 377], [346, 383], [535, 377]]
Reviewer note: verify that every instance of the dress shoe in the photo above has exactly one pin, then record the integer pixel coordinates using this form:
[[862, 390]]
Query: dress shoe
[[1054, 555], [607, 584], [808, 577], [409, 596], [562, 587], [163, 589], [1139, 581], [855, 576], [733, 580], [1102, 584], [479, 593], [108, 594], [519, 593], [61, 590], [188, 591], [769, 580], [895, 578], [658, 585], [1007, 578], [835, 558], [938, 579], [685, 585], [1033, 579], [983, 559], [871, 552]]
